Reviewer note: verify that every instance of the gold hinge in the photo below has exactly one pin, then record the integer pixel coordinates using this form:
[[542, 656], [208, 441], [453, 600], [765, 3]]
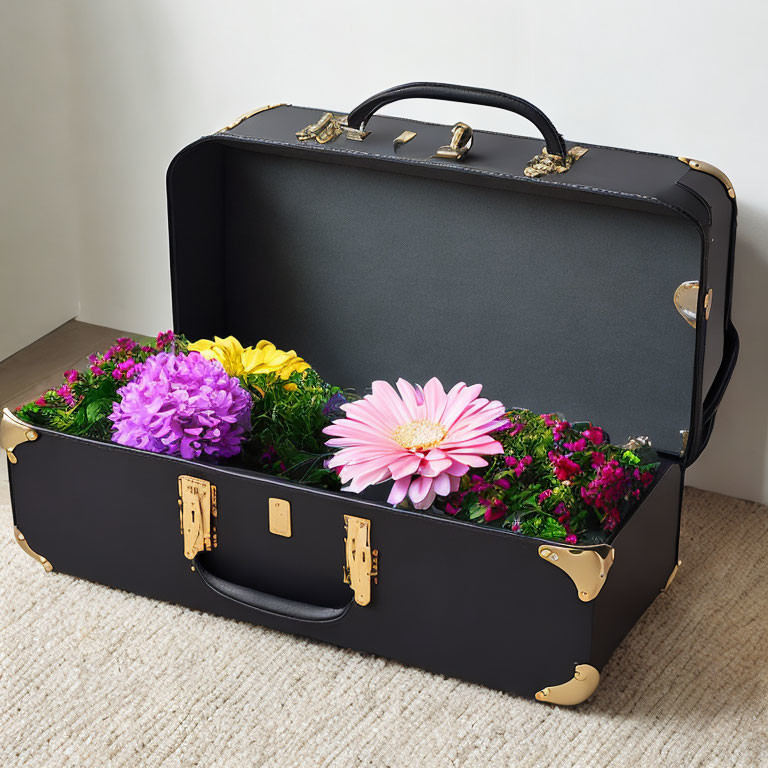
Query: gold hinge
[[545, 163], [21, 540], [587, 567], [461, 142], [14, 431], [197, 515], [700, 165], [579, 688], [244, 117], [686, 301], [362, 562]]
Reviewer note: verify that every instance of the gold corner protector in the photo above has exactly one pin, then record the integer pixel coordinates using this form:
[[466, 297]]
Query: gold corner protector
[[671, 577], [700, 165], [587, 567], [578, 689], [21, 540], [250, 114], [13, 432]]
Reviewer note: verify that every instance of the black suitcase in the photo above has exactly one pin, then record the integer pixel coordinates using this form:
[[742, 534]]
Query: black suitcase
[[587, 280]]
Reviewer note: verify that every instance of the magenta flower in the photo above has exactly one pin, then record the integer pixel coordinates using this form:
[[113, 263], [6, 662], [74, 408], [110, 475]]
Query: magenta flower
[[184, 405], [71, 376], [577, 446], [125, 370], [41, 400], [65, 393], [164, 339], [96, 370], [423, 439], [595, 434], [564, 468]]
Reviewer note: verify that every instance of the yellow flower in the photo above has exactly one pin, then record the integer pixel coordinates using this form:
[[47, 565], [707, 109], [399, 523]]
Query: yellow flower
[[239, 361]]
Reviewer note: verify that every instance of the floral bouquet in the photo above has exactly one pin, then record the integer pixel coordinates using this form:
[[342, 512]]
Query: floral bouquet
[[453, 453]]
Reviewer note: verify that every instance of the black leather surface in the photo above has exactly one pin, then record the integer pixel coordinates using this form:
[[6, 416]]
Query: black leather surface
[[551, 304], [611, 177], [449, 595]]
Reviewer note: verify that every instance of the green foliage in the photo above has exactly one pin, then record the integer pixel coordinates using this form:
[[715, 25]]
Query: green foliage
[[82, 404], [287, 422], [555, 480], [543, 526]]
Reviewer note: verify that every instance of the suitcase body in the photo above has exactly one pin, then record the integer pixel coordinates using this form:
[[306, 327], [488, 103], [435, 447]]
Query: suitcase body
[[602, 292]]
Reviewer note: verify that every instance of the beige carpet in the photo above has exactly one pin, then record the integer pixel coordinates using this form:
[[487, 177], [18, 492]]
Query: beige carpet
[[94, 677]]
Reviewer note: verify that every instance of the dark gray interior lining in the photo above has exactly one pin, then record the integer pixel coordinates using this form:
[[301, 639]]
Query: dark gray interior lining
[[551, 304]]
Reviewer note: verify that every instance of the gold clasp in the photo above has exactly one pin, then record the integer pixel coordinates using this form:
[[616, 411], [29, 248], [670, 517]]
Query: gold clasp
[[329, 127], [546, 163], [326, 129], [197, 515], [461, 143], [362, 563]]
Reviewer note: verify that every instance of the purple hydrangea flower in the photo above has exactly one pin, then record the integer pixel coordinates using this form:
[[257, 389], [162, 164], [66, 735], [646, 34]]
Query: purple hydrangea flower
[[184, 405]]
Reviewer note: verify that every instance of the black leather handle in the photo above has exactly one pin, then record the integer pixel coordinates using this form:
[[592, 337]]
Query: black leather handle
[[262, 601], [717, 390], [361, 114]]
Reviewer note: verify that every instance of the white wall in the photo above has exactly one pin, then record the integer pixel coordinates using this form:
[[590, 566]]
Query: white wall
[[39, 271], [152, 75]]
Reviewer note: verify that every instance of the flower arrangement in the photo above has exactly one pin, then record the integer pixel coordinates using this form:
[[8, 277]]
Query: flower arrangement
[[555, 480], [454, 452]]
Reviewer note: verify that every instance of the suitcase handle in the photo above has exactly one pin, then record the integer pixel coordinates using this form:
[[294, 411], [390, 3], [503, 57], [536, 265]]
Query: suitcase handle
[[717, 390], [262, 601], [362, 113]]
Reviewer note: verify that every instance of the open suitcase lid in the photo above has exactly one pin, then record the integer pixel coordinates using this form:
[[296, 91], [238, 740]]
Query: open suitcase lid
[[562, 292]]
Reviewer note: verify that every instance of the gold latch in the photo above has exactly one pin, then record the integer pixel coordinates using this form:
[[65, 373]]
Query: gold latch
[[461, 143], [362, 563], [326, 129], [546, 163], [197, 515]]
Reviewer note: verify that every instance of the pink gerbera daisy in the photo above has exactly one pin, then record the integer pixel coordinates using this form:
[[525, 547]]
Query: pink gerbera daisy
[[423, 439]]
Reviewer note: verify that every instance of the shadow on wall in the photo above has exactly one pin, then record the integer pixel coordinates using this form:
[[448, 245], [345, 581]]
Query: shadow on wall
[[741, 433]]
